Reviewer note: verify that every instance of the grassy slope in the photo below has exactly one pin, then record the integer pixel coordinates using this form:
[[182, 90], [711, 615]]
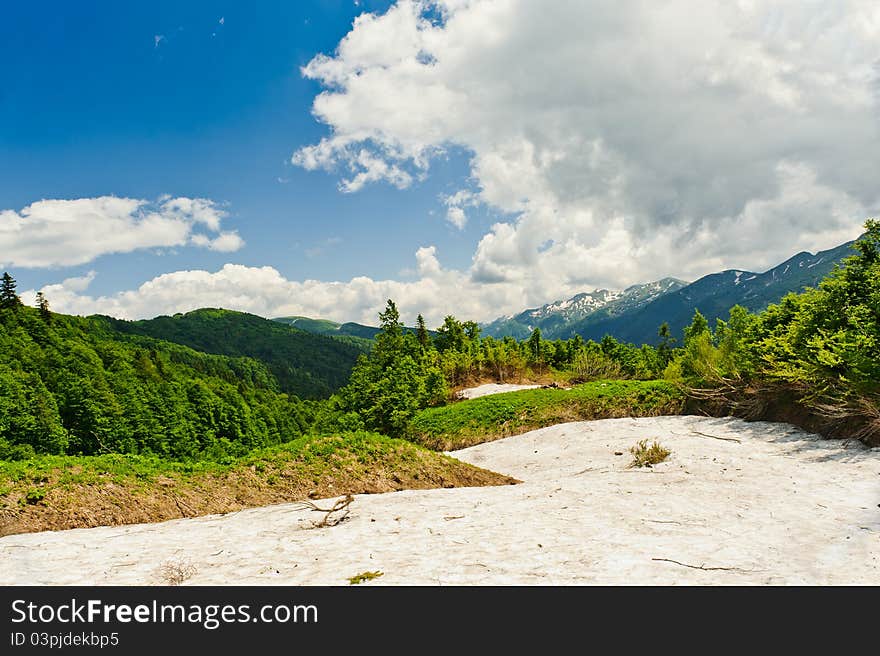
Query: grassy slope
[[490, 417], [60, 492]]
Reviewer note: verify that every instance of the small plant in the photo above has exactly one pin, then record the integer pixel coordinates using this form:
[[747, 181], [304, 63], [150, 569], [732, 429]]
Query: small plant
[[175, 572], [645, 456], [34, 496], [357, 579]]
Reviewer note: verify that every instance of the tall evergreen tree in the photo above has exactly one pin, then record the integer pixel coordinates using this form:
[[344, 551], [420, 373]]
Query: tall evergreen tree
[[664, 350], [43, 305], [422, 332], [8, 297]]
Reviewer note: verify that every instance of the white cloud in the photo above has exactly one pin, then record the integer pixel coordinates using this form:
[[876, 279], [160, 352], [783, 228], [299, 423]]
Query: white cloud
[[264, 291], [626, 141], [225, 242], [79, 283], [70, 232], [455, 204], [619, 142]]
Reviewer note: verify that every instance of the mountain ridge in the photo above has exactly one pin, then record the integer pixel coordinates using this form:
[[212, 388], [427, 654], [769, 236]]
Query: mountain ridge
[[638, 320]]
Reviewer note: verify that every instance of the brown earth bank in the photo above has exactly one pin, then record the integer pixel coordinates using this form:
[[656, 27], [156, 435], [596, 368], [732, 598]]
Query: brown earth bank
[[108, 503], [792, 405]]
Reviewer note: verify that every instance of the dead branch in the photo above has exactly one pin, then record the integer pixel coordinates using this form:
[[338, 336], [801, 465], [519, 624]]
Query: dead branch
[[341, 506], [717, 437], [703, 567]]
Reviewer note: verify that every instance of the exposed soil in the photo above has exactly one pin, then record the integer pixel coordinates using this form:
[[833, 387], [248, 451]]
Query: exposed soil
[[785, 404], [112, 504]]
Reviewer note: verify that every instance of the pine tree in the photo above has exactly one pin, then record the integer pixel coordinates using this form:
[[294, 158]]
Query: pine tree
[[43, 305], [664, 350], [422, 332], [389, 320], [9, 300]]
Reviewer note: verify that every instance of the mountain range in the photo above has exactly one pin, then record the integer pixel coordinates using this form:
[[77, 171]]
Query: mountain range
[[635, 314]]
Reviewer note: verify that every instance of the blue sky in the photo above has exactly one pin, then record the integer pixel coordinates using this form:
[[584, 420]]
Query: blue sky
[[92, 104], [461, 156]]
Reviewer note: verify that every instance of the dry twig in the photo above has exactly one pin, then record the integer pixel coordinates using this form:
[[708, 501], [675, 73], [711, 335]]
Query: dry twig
[[703, 567], [341, 506], [716, 437]]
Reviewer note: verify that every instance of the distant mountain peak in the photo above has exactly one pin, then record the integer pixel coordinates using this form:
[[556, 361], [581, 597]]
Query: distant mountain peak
[[555, 319], [635, 313]]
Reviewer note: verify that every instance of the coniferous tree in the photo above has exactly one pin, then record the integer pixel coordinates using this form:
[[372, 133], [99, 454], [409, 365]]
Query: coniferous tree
[[664, 350], [8, 297], [422, 332], [43, 305]]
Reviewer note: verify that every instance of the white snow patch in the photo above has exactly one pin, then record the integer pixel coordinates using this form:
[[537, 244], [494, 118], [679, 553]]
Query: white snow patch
[[491, 388], [777, 506]]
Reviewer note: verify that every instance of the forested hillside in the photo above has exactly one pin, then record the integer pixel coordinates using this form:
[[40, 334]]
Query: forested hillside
[[308, 365], [73, 385], [358, 333]]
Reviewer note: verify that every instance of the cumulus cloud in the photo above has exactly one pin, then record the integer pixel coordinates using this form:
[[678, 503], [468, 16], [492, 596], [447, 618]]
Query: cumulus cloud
[[617, 142], [265, 292], [70, 232], [624, 141]]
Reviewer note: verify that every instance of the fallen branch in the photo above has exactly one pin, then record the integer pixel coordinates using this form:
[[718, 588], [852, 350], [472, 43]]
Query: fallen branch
[[341, 506], [702, 567], [716, 437]]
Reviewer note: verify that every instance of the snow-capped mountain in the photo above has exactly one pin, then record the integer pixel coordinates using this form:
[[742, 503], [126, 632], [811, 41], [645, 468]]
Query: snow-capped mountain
[[554, 319], [635, 314]]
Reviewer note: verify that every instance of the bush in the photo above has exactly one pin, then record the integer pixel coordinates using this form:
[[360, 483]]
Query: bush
[[592, 365]]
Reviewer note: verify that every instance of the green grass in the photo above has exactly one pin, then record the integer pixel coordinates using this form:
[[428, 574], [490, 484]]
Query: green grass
[[490, 417], [357, 579], [317, 451]]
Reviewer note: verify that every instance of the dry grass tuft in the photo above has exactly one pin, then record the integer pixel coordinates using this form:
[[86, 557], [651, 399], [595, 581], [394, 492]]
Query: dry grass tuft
[[175, 572], [646, 456]]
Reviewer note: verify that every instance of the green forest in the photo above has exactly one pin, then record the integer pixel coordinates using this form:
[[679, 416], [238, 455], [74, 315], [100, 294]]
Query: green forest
[[213, 384]]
